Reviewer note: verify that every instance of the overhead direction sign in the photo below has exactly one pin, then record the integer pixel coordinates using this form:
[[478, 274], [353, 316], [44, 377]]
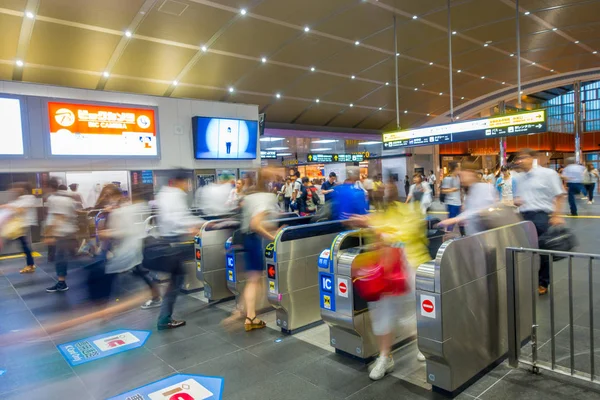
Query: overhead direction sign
[[524, 123], [268, 154], [343, 158]]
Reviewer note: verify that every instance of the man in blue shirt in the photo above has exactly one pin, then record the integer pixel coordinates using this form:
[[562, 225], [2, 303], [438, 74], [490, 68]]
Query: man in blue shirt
[[348, 199], [327, 186]]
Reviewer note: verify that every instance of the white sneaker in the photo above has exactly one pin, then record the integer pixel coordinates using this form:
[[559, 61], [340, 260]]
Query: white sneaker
[[152, 304], [584, 198], [589, 202], [382, 366], [420, 357]]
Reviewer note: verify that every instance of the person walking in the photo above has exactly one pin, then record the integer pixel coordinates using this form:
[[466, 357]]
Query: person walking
[[590, 177], [406, 185], [420, 192], [432, 182], [539, 194], [452, 193], [573, 173], [327, 186], [504, 185]]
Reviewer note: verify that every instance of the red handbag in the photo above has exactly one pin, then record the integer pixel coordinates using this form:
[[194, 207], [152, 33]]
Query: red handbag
[[386, 275]]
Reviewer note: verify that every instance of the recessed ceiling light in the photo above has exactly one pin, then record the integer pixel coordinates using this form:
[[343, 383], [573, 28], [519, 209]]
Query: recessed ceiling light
[[485, 45], [231, 89], [204, 49], [353, 77], [554, 29], [512, 54], [264, 60], [106, 74], [504, 83], [397, 54], [459, 71], [128, 33], [428, 114], [270, 139], [175, 83], [306, 29], [577, 42], [405, 111], [351, 105], [312, 69], [369, 143], [594, 52], [415, 17], [325, 141], [441, 93], [454, 32], [527, 13], [483, 77], [416, 89], [356, 43], [521, 92], [533, 63], [430, 63], [317, 100], [283, 154], [551, 70], [243, 11], [462, 98], [278, 95], [457, 118], [387, 84], [380, 108], [29, 15], [277, 148], [19, 63], [321, 149]]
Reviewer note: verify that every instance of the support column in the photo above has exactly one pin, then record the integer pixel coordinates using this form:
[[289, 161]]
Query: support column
[[396, 73], [577, 120], [502, 110]]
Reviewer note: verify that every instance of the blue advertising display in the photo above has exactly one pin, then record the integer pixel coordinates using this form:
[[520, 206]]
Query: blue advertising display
[[226, 139], [178, 387], [326, 295], [103, 345]]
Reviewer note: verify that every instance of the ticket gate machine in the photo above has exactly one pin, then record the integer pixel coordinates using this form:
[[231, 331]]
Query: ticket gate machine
[[235, 262], [462, 321], [292, 273]]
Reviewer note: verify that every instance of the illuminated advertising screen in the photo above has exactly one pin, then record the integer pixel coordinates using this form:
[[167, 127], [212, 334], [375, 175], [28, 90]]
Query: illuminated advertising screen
[[224, 139], [524, 123], [101, 130], [11, 128]]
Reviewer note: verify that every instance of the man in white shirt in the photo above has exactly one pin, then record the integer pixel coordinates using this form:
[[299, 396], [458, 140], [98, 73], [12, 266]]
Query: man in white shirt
[[432, 181], [539, 195], [573, 173], [296, 189], [175, 221]]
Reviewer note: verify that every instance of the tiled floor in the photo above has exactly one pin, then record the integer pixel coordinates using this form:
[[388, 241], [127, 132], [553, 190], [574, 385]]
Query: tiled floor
[[262, 364]]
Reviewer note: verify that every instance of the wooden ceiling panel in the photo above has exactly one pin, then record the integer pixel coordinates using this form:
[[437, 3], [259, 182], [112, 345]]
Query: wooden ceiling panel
[[243, 98], [478, 87], [533, 5], [384, 71], [60, 77], [351, 91], [314, 85], [270, 78], [352, 60], [350, 116], [17, 5], [136, 86], [435, 51], [423, 77], [184, 27], [149, 60], [191, 92], [377, 120], [574, 63], [217, 70], [286, 110], [481, 57], [581, 14], [307, 12], [462, 14], [11, 27], [319, 114], [358, 22], [114, 14], [385, 96], [6, 71], [308, 50], [416, 7], [65, 46], [254, 38]]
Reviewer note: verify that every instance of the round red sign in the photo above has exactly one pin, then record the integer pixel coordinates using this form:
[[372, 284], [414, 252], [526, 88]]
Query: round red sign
[[343, 287], [427, 306]]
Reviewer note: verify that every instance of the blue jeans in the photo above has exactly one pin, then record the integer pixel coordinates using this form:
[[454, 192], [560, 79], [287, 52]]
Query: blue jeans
[[574, 189], [453, 211]]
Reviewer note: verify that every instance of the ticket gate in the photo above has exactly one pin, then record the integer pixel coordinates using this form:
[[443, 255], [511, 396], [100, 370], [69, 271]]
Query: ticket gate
[[292, 273], [209, 252], [235, 262], [461, 304]]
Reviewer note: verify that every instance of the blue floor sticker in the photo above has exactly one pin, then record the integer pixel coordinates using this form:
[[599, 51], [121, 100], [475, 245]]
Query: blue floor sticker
[[103, 345], [178, 387]]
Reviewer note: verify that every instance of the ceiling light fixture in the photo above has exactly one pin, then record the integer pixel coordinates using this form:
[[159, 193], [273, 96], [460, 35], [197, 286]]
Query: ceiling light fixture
[[397, 54], [577, 42], [128, 33], [554, 29], [462, 98], [430, 63], [594, 52], [454, 32], [533, 63], [485, 45], [356, 43], [483, 77], [277, 148], [321, 149], [204, 49], [521, 92], [317, 100], [243, 11], [175, 83], [387, 84], [441, 93], [512, 54], [405, 111], [19, 63], [283, 154], [270, 139], [29, 15], [551, 70], [416, 89], [312, 69], [353, 77], [527, 13], [459, 71], [351, 105], [325, 141], [369, 143], [264, 60], [306, 29], [504, 83], [231, 89], [415, 17], [428, 114], [278, 95], [457, 118], [106, 74], [380, 108]]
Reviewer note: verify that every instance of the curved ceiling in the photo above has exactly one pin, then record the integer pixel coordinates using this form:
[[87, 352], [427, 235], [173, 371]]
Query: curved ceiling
[[310, 62]]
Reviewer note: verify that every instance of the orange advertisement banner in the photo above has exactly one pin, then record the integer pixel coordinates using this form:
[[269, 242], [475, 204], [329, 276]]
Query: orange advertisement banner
[[100, 120]]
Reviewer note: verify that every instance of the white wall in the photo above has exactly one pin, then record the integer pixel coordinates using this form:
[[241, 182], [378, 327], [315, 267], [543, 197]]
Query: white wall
[[174, 121]]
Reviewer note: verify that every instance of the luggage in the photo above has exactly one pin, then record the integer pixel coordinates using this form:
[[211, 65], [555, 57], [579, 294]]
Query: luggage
[[384, 272], [558, 238]]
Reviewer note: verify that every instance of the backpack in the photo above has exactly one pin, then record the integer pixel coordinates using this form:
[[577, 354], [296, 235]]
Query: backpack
[[311, 198]]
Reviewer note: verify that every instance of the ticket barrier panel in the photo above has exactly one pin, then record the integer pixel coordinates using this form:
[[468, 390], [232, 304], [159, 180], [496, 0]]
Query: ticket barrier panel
[[191, 283], [461, 304], [293, 276], [209, 252], [235, 261]]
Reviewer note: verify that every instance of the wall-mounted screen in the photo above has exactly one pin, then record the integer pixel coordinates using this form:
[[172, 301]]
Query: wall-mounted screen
[[11, 129], [101, 130], [226, 139]]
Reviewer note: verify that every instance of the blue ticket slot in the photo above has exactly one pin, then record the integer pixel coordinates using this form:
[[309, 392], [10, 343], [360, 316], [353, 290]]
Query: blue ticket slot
[[326, 291]]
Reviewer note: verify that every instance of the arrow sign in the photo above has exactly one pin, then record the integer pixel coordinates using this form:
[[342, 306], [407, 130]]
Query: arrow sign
[[103, 345], [335, 157], [178, 387]]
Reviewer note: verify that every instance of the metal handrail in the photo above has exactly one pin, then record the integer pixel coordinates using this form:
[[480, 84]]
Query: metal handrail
[[554, 252]]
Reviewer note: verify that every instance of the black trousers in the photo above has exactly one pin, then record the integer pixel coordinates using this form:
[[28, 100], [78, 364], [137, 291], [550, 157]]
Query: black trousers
[[541, 220], [26, 250]]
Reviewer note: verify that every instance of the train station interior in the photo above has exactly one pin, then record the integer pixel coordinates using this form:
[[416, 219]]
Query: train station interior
[[299, 199]]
